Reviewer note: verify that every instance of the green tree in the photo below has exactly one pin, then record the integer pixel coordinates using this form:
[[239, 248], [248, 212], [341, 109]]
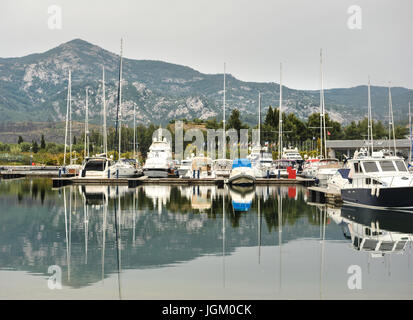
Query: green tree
[[35, 146], [42, 143], [20, 140], [235, 122]]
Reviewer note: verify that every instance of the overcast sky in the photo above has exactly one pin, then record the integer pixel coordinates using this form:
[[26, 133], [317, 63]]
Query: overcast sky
[[252, 37]]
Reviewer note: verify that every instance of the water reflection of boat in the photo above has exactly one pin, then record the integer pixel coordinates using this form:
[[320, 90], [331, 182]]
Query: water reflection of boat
[[376, 231], [160, 195], [241, 197], [201, 197]]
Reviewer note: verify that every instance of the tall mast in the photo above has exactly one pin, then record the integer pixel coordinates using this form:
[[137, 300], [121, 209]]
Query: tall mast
[[70, 116], [410, 135], [391, 123], [259, 118], [369, 121], [119, 109], [224, 142], [323, 146], [134, 131], [86, 153], [120, 98], [105, 136], [67, 118], [280, 120]]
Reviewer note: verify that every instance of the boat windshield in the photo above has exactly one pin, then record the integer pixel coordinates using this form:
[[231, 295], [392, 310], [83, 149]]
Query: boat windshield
[[95, 165], [387, 166], [400, 165], [370, 166]]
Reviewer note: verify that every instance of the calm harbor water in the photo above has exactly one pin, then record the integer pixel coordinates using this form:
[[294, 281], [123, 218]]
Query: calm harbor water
[[167, 242]]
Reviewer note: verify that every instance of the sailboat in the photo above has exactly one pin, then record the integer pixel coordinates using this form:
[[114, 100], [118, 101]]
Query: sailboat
[[261, 159], [323, 168], [222, 167], [122, 168], [72, 168], [281, 165], [98, 165]]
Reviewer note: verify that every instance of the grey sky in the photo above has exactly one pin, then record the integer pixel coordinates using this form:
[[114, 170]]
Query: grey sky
[[252, 37]]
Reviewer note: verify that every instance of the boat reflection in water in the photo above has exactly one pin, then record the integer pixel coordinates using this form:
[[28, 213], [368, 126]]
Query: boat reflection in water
[[145, 242], [374, 231], [241, 197]]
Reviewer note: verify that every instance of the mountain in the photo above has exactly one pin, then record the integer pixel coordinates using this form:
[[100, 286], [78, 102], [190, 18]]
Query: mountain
[[34, 88]]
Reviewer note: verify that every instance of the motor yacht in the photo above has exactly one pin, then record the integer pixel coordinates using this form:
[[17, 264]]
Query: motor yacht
[[375, 181], [159, 163], [222, 167], [242, 173], [185, 168], [96, 167], [262, 162]]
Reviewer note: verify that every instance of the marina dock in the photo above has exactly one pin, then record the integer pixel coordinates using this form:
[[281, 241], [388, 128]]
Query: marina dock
[[324, 195], [14, 172], [134, 182]]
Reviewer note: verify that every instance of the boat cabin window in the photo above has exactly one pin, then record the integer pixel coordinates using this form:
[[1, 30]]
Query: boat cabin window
[[400, 165], [387, 166], [386, 246], [370, 245], [95, 166], [357, 168], [370, 166], [400, 245]]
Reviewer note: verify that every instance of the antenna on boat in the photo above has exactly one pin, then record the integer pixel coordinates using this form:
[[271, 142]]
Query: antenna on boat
[[280, 118], [391, 122], [369, 121], [105, 136], [224, 142]]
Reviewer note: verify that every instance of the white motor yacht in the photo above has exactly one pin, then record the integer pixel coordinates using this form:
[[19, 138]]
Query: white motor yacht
[[242, 173], [122, 169], [262, 162], [222, 167], [96, 167], [375, 181], [159, 163], [185, 168], [291, 154]]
